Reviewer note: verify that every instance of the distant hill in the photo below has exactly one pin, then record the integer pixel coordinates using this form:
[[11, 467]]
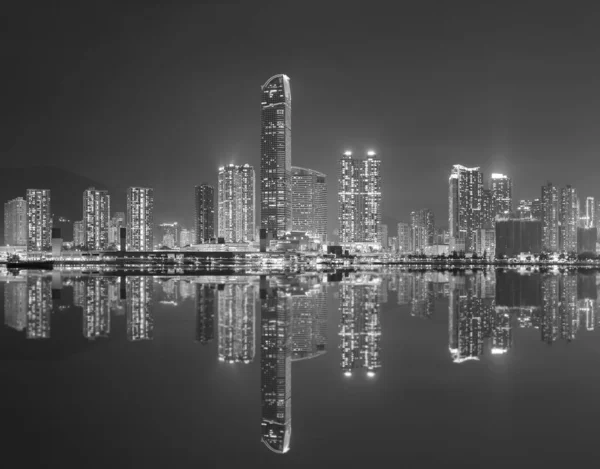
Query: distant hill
[[66, 191]]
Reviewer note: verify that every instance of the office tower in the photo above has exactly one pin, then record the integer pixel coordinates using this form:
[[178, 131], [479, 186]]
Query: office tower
[[359, 198], [360, 324], [404, 238], [140, 219], [550, 218], [95, 304], [237, 318], [39, 306], [96, 215], [15, 303], [115, 224], [487, 208], [423, 229], [15, 222], [205, 213], [206, 304], [236, 203], [140, 321], [276, 156], [465, 194], [309, 320], [516, 236], [590, 212], [383, 235], [169, 234], [78, 234], [524, 210], [501, 187], [187, 237], [568, 220], [39, 220], [276, 365], [536, 209], [586, 240], [309, 202]]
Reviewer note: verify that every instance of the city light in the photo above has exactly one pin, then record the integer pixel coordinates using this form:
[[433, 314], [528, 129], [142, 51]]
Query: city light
[[370, 153]]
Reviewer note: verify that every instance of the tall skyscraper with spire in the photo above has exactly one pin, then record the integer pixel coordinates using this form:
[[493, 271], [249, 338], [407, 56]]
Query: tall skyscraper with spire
[[465, 205], [359, 196], [96, 217], [276, 156]]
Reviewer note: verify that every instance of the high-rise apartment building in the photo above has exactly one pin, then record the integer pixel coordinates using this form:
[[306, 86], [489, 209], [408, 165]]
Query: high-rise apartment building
[[487, 208], [423, 229], [96, 216], [114, 226], [15, 222], [169, 234], [39, 220], [465, 202], [568, 219], [205, 213], [550, 218], [359, 198], [501, 187], [524, 209], [78, 234], [236, 214], [276, 156], [140, 219], [404, 238], [309, 202]]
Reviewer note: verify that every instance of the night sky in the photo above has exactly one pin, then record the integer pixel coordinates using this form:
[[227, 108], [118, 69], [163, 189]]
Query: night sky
[[164, 96]]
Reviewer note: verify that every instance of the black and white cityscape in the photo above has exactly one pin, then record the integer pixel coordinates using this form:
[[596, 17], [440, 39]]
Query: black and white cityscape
[[410, 265]]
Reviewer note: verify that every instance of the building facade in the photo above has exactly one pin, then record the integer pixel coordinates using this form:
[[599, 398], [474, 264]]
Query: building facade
[[15, 222], [515, 236], [404, 238], [78, 234], [205, 213], [501, 188], [236, 207], [422, 229], [568, 219], [550, 208], [169, 234], [309, 202], [359, 197], [117, 221], [39, 220], [96, 217], [140, 219], [465, 202], [276, 156]]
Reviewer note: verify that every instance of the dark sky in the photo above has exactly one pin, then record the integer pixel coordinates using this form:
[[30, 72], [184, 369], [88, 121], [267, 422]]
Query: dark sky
[[163, 96]]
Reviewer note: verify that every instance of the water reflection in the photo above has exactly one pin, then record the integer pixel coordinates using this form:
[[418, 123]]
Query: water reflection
[[484, 309]]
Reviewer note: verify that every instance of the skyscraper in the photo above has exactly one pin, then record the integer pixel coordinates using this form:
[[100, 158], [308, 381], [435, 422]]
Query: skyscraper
[[169, 234], [15, 222], [550, 214], [39, 220], [568, 219], [276, 156], [404, 238], [524, 209], [236, 203], [309, 202], [487, 208], [205, 213], [140, 219], [78, 234], [422, 228], [501, 187], [96, 216], [590, 212], [359, 195], [464, 201]]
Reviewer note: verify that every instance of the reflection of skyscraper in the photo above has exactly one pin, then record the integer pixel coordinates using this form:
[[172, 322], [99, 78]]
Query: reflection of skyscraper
[[501, 331], [422, 298], [205, 312], [15, 304], [567, 308], [276, 156], [360, 324], [276, 366], [549, 312], [39, 306], [309, 322], [237, 316], [140, 323], [96, 312]]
